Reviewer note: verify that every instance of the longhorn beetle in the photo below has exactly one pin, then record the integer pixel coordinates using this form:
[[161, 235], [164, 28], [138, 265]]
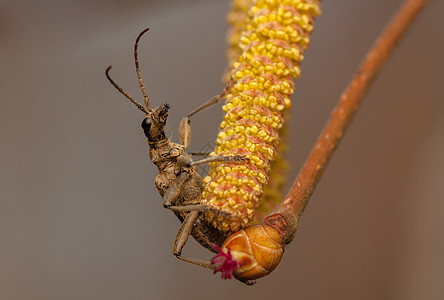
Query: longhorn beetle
[[178, 182]]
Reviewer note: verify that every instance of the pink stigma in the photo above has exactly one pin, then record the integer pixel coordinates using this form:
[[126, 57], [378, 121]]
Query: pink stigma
[[227, 263]]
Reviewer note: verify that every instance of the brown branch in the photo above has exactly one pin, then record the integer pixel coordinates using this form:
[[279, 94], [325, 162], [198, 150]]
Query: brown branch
[[296, 200]]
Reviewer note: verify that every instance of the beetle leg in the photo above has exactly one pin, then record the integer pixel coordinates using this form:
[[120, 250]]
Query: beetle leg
[[184, 126], [172, 193], [198, 208], [198, 262], [182, 237], [210, 266], [184, 232], [220, 158], [199, 153]]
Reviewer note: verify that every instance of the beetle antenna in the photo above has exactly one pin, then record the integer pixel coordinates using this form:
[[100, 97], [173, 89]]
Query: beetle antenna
[[139, 106], [139, 76]]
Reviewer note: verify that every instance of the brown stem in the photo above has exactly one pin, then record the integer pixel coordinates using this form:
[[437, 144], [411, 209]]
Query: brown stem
[[296, 200]]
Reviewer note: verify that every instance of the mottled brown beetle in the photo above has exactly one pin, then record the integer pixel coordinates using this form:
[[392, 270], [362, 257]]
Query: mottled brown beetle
[[178, 182]]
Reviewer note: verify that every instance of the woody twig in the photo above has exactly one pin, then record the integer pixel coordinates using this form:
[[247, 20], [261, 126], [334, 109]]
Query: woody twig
[[295, 202]]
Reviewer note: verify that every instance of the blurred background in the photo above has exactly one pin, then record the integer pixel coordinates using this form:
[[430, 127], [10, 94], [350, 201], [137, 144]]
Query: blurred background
[[80, 217]]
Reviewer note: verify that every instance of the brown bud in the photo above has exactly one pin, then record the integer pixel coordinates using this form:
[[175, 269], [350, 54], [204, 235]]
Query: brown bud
[[258, 250]]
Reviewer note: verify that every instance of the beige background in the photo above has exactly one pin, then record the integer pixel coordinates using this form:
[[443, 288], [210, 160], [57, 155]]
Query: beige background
[[80, 217]]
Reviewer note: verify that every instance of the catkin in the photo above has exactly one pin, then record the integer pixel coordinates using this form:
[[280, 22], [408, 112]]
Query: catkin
[[237, 19], [272, 44]]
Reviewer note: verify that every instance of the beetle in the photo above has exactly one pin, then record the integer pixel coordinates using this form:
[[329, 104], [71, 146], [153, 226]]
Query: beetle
[[178, 181]]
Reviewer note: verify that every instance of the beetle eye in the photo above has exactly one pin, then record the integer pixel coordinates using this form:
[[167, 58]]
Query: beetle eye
[[146, 125]]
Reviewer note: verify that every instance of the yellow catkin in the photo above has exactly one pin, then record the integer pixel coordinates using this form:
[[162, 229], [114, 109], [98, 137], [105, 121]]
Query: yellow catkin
[[273, 190], [237, 20], [272, 43]]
